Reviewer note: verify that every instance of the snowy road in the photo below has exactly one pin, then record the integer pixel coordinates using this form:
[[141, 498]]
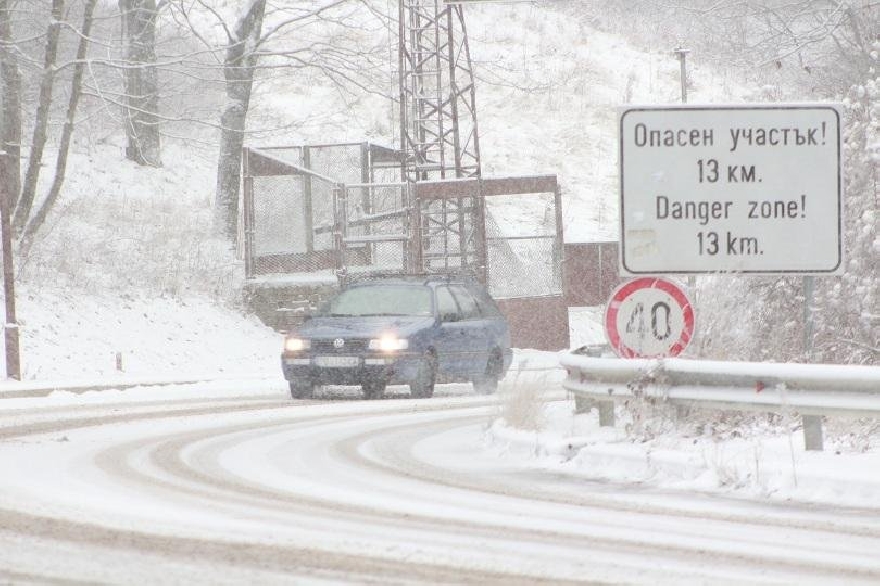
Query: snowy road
[[258, 489]]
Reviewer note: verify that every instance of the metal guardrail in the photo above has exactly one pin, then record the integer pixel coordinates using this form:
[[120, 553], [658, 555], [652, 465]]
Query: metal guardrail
[[810, 390]]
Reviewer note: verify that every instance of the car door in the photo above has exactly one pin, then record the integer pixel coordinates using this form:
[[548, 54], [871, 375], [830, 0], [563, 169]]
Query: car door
[[476, 333], [496, 323], [451, 332]]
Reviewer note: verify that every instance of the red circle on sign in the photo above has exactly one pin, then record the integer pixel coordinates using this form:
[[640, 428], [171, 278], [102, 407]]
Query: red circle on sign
[[630, 288]]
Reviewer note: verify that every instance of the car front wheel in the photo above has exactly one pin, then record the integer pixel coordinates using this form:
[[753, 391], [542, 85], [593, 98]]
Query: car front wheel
[[300, 389], [423, 386]]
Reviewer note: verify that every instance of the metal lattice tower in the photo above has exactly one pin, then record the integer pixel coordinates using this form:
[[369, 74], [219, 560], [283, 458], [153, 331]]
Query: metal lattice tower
[[438, 131]]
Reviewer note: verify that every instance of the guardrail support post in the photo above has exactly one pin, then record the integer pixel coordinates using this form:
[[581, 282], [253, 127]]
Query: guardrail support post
[[606, 413], [812, 432], [582, 404], [681, 413]]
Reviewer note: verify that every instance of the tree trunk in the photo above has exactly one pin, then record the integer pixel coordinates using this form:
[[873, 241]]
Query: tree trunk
[[238, 70], [26, 202], [10, 136], [141, 83], [67, 131]]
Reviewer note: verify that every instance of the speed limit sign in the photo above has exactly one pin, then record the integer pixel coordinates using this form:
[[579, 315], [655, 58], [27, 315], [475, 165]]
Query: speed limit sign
[[649, 317]]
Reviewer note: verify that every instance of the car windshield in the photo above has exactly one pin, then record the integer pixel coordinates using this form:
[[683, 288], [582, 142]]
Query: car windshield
[[381, 300]]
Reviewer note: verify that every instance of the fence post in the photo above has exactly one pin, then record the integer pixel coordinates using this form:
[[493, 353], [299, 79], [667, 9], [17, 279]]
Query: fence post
[[247, 213], [339, 230], [415, 205], [308, 214], [812, 432]]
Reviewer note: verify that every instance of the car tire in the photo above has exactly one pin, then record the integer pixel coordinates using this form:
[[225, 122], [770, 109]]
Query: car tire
[[487, 384], [301, 389], [423, 385], [373, 390]]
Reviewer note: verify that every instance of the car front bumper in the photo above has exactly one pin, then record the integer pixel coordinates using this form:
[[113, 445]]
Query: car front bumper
[[353, 370]]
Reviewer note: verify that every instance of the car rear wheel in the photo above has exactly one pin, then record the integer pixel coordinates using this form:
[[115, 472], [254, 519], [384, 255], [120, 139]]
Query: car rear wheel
[[423, 386], [373, 390], [300, 389], [487, 384]]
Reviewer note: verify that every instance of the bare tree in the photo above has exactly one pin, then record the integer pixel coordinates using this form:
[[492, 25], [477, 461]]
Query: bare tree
[[67, 131], [11, 122], [38, 143], [141, 82], [345, 61], [238, 70]]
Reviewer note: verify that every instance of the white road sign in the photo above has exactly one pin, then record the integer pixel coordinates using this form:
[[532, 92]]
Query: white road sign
[[747, 189]]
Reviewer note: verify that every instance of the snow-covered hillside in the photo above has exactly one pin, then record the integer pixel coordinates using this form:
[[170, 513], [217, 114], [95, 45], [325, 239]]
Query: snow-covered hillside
[[555, 108], [129, 262]]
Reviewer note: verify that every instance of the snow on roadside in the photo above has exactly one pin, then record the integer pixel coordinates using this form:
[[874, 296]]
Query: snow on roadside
[[69, 335], [763, 461]]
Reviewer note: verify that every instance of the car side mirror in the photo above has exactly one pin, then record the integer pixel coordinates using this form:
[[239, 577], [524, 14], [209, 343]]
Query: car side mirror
[[449, 317]]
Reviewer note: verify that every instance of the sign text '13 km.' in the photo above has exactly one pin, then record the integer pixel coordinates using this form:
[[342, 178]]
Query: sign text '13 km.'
[[750, 189]]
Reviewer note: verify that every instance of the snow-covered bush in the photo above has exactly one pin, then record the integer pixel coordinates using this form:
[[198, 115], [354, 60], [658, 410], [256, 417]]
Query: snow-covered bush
[[848, 307], [522, 402]]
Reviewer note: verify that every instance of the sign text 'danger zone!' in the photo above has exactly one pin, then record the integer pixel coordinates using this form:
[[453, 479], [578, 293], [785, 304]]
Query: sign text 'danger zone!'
[[748, 189]]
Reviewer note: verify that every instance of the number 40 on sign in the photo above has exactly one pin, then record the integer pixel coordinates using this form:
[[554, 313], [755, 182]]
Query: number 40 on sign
[[649, 317]]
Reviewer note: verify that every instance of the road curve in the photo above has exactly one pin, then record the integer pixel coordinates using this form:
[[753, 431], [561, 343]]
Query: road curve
[[260, 489]]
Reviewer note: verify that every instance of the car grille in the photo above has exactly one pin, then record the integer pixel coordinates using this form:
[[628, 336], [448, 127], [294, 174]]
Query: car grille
[[351, 345]]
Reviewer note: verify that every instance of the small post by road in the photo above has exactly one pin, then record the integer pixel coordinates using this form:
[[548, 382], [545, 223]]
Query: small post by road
[[812, 432], [10, 329]]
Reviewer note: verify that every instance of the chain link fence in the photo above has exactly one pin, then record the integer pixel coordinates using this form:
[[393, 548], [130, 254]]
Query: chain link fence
[[313, 211], [377, 224], [523, 248], [327, 209]]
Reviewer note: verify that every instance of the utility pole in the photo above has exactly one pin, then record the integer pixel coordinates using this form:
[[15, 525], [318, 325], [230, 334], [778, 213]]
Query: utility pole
[[10, 329]]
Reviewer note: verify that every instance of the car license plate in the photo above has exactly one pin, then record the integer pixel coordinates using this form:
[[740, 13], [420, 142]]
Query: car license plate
[[337, 361]]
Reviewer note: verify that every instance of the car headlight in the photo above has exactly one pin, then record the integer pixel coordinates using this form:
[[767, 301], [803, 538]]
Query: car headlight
[[296, 344], [389, 344]]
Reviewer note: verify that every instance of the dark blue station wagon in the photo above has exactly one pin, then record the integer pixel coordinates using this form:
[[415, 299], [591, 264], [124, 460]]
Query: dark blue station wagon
[[400, 330]]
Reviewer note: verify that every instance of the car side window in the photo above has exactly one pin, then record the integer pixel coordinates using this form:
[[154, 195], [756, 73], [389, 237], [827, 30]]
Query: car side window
[[469, 309], [447, 308], [487, 306]]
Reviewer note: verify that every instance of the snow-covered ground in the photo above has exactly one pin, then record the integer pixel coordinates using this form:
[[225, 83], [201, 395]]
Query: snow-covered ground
[[744, 456]]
